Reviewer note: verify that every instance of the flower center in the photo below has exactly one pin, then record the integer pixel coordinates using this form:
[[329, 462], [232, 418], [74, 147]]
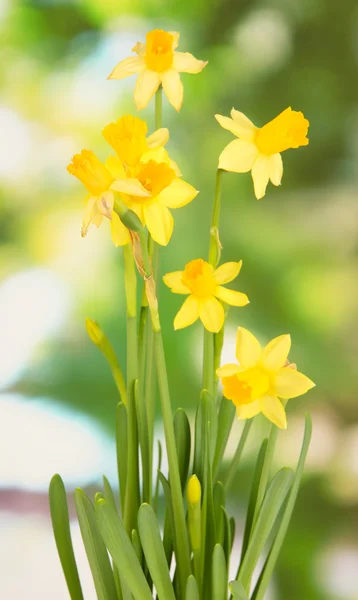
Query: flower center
[[247, 386], [128, 138], [288, 130], [91, 172], [198, 276], [159, 50], [155, 177]]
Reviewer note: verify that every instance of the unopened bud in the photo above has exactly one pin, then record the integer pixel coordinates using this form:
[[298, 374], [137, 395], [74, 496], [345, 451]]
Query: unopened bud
[[94, 331], [193, 492]]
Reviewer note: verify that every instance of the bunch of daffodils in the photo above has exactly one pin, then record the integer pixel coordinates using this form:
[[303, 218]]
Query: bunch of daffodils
[[134, 553]]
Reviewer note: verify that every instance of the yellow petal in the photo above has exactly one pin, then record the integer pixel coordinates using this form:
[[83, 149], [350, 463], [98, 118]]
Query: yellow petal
[[115, 167], [128, 66], [276, 169], [130, 186], [260, 175], [105, 203], [274, 355], [88, 214], [247, 411], [158, 138], [248, 349], [227, 272], [272, 408], [139, 48], [187, 63], [244, 130], [177, 194], [176, 36], [120, 233], [247, 128], [173, 165], [147, 84], [238, 156], [173, 88], [159, 221], [231, 297], [159, 155], [228, 370], [174, 282], [188, 314], [290, 383], [212, 314]]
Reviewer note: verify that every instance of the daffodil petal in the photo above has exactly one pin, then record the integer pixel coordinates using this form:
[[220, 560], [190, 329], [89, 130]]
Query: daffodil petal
[[260, 175], [105, 203], [130, 186], [87, 215], [173, 88], [128, 66], [147, 84], [276, 169], [231, 297], [227, 272], [177, 194], [247, 411], [188, 314], [228, 370], [115, 167], [274, 355], [290, 383], [272, 408], [119, 232], [238, 127], [212, 314], [248, 349], [187, 63], [173, 165], [247, 128], [174, 282], [139, 48], [159, 221], [239, 156], [158, 138], [176, 36], [159, 155], [136, 207]]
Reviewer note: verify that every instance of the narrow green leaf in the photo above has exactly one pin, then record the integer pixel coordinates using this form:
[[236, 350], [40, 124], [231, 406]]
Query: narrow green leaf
[[270, 508], [137, 545], [121, 550], [108, 493], [143, 436], [219, 502], [219, 574], [225, 421], [228, 541], [168, 537], [253, 496], [232, 524], [183, 442], [154, 552], [266, 573], [121, 446], [192, 592], [265, 473], [237, 456], [238, 591], [61, 528], [156, 493], [95, 549]]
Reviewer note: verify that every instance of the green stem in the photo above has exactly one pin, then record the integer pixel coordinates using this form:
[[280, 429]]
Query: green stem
[[265, 472], [158, 108], [239, 450], [132, 489]]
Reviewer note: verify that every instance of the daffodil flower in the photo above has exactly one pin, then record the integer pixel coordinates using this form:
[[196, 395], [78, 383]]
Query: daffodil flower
[[258, 148], [128, 137], [204, 284], [99, 181], [262, 378], [158, 63]]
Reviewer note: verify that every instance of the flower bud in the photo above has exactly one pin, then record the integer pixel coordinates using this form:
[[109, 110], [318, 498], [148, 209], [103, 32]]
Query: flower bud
[[193, 492]]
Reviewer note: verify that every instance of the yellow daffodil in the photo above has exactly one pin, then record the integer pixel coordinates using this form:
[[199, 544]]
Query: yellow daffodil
[[158, 189], [262, 378], [205, 286], [158, 63], [258, 148], [128, 137], [100, 182]]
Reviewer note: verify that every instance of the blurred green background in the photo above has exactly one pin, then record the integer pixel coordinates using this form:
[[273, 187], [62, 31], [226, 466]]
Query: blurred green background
[[298, 245]]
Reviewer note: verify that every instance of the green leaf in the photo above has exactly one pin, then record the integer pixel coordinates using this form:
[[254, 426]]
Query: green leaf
[[183, 441], [143, 436], [205, 414], [154, 552], [121, 550], [61, 528], [219, 502], [121, 446], [108, 493], [95, 549], [274, 498], [225, 420], [237, 456], [238, 591], [156, 493], [253, 496], [168, 540], [192, 592], [219, 574], [137, 545], [266, 573], [271, 444], [228, 541]]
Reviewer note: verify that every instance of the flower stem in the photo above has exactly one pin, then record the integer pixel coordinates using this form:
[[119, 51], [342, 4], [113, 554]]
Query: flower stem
[[158, 107], [132, 490]]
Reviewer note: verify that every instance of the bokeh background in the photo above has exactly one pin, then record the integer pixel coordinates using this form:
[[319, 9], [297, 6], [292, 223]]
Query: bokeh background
[[299, 247]]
